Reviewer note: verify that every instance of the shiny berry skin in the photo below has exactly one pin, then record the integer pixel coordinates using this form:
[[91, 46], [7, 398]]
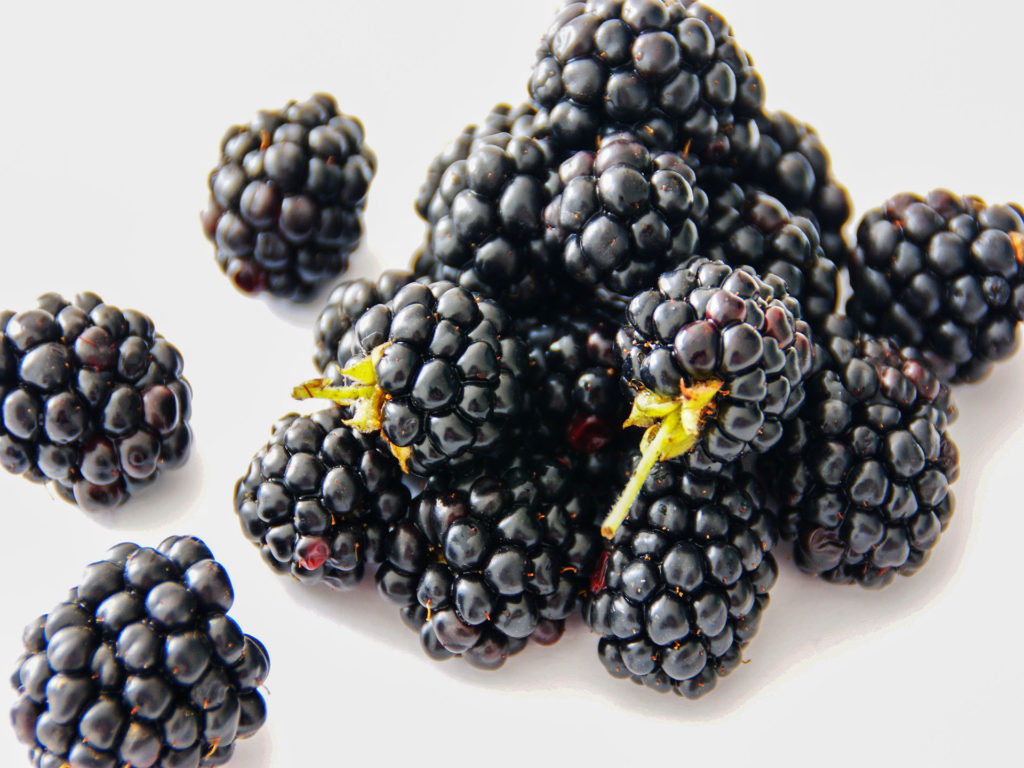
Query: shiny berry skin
[[746, 227], [492, 558], [624, 214], [669, 70], [287, 196], [863, 473], [708, 322], [319, 498], [92, 400], [170, 682], [335, 341], [685, 580], [792, 165], [943, 274]]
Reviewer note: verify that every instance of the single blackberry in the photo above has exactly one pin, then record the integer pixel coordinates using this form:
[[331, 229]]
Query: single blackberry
[[497, 127], [624, 215], [287, 196], [863, 473], [335, 341], [745, 227], [141, 666], [793, 165], [944, 274], [716, 358], [93, 400], [669, 70], [485, 227], [494, 558], [319, 498], [679, 591], [438, 376]]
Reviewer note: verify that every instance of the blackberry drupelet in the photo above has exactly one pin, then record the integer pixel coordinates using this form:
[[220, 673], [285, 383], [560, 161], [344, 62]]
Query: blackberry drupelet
[[287, 196], [679, 592], [497, 127], [716, 358], [319, 498], [943, 274], [863, 473], [485, 228], [793, 165], [494, 557], [335, 341], [93, 400], [745, 227], [670, 71], [141, 666], [625, 215], [438, 376]]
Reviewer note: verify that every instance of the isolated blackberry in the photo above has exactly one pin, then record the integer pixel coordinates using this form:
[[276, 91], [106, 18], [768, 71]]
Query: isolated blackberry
[[438, 376], [494, 557], [670, 71], [744, 227], [625, 215], [863, 473], [141, 666], [93, 401], [497, 127], [944, 274], [335, 341], [793, 165], [485, 228], [287, 196], [679, 591], [319, 498]]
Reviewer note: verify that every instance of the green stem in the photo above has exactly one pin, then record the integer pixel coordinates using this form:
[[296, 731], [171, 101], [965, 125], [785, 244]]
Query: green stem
[[650, 455], [320, 388]]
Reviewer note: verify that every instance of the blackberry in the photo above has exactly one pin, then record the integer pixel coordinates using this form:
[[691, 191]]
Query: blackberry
[[319, 498], [744, 227], [942, 274], [624, 215], [863, 473], [93, 401], [792, 164], [667, 70], [437, 376], [680, 590], [141, 666], [716, 358], [497, 127], [335, 341], [287, 196], [494, 558], [485, 228]]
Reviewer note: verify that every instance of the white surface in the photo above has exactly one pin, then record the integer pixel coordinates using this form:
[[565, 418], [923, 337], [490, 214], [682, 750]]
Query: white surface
[[109, 124]]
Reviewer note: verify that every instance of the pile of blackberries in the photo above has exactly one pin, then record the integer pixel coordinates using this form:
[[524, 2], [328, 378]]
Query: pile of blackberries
[[614, 376]]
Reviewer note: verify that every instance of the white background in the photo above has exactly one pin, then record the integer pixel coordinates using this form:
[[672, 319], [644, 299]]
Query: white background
[[110, 120]]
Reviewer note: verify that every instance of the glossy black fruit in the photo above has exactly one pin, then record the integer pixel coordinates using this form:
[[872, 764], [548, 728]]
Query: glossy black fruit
[[141, 666], [863, 473], [624, 215], [92, 400], [319, 498], [286, 198], [679, 591], [668, 70], [943, 274], [492, 558]]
